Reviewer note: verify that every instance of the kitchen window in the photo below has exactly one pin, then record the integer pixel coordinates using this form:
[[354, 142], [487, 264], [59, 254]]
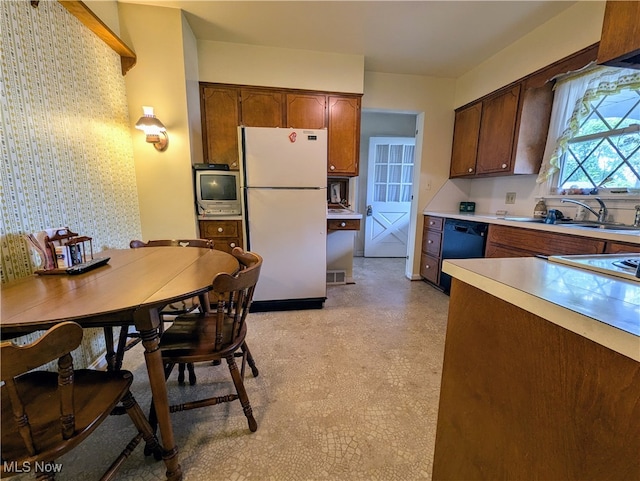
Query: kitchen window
[[594, 133]]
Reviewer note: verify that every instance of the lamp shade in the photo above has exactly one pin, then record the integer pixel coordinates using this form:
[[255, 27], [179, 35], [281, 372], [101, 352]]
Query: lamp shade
[[155, 131]]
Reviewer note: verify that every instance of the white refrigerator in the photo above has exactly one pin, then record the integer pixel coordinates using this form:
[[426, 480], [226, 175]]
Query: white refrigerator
[[285, 181]]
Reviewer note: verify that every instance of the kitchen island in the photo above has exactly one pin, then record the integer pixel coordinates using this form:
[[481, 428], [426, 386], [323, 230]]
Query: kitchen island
[[541, 375]]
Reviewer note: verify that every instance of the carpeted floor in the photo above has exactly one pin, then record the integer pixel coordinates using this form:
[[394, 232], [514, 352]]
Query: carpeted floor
[[345, 393]]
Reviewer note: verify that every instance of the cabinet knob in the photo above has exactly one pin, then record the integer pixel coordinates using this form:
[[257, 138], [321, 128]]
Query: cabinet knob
[[220, 229], [232, 244], [470, 169], [429, 241], [343, 224], [332, 167], [504, 166], [431, 222], [235, 164], [427, 266]]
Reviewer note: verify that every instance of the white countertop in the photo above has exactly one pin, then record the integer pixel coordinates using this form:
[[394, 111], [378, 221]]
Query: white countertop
[[615, 235], [342, 214], [602, 308]]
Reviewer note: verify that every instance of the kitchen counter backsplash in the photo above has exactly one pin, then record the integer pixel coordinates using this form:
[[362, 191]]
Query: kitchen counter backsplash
[[621, 209]]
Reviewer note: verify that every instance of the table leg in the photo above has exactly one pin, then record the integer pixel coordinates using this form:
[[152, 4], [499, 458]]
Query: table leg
[[158, 385]]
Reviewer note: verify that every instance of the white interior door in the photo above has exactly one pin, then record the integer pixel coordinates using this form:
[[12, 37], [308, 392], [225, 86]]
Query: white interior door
[[389, 194]]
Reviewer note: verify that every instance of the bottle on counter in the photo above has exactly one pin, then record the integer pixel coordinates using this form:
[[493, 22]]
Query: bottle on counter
[[540, 210]]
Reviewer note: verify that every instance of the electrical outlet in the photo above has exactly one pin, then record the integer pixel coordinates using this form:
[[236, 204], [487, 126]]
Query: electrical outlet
[[510, 198]]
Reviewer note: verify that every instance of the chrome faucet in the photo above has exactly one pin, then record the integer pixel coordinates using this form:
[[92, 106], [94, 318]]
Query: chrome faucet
[[602, 214]]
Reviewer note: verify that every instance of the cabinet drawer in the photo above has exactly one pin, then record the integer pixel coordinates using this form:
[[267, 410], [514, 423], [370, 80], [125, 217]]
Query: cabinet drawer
[[430, 268], [226, 245], [343, 224], [431, 243], [433, 223], [210, 229]]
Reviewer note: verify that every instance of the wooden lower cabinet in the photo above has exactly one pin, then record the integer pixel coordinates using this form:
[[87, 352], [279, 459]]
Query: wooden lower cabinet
[[226, 234], [505, 241], [523, 398], [621, 247], [430, 260]]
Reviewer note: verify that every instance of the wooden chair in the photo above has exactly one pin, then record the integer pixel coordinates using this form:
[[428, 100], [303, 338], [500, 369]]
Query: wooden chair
[[191, 305], [217, 333], [46, 414], [115, 355]]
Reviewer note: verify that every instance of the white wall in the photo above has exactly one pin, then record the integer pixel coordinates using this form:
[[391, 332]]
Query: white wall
[[432, 100], [160, 79], [280, 67]]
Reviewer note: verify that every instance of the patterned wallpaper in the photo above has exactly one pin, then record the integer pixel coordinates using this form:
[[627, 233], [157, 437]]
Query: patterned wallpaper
[[67, 153]]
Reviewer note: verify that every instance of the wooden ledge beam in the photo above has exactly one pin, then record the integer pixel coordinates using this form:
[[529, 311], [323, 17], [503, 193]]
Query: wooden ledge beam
[[83, 13]]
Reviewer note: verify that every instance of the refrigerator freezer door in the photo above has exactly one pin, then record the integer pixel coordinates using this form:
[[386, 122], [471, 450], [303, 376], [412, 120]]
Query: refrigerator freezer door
[[285, 157], [287, 227]]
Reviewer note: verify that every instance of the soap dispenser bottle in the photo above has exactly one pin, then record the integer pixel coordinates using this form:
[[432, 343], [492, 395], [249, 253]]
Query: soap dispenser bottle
[[540, 210]]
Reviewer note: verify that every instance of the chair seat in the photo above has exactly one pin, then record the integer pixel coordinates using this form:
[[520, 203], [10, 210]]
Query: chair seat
[[191, 339], [95, 395]]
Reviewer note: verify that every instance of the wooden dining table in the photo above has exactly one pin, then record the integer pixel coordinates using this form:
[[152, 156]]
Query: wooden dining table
[[131, 288]]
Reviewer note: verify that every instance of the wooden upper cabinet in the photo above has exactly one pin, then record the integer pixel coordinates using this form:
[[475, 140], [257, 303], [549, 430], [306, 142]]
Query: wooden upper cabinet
[[620, 42], [495, 143], [306, 111], [505, 132], [220, 115], [465, 140], [344, 135], [261, 108]]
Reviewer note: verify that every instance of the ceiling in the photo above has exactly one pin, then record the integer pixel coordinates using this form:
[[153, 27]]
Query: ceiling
[[432, 38]]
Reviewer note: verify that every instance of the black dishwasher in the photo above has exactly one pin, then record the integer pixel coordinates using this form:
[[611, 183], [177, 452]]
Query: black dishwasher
[[461, 239]]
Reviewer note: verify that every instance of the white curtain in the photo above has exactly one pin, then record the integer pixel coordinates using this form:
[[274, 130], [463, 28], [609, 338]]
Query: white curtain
[[574, 93]]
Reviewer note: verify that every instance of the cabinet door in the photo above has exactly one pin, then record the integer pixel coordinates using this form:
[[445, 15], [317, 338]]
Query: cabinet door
[[261, 108], [621, 247], [220, 120], [306, 111], [465, 140], [620, 39], [344, 135], [497, 131]]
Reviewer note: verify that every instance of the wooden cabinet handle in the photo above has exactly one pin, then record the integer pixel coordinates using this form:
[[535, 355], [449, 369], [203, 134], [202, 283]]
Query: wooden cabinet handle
[[220, 229]]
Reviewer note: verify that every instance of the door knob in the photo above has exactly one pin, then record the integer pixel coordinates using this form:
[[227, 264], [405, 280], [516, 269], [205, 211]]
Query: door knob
[[369, 211]]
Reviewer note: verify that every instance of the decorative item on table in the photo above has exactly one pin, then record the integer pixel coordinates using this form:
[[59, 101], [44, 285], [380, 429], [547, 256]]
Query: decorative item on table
[[467, 206], [63, 251]]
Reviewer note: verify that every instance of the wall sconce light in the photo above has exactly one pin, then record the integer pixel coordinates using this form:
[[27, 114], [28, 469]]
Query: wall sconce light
[[155, 131]]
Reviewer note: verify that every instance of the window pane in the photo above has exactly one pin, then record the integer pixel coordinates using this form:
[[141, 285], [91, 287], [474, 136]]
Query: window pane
[[601, 152], [381, 173], [395, 173], [406, 193], [380, 193], [394, 193], [382, 154], [395, 155]]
